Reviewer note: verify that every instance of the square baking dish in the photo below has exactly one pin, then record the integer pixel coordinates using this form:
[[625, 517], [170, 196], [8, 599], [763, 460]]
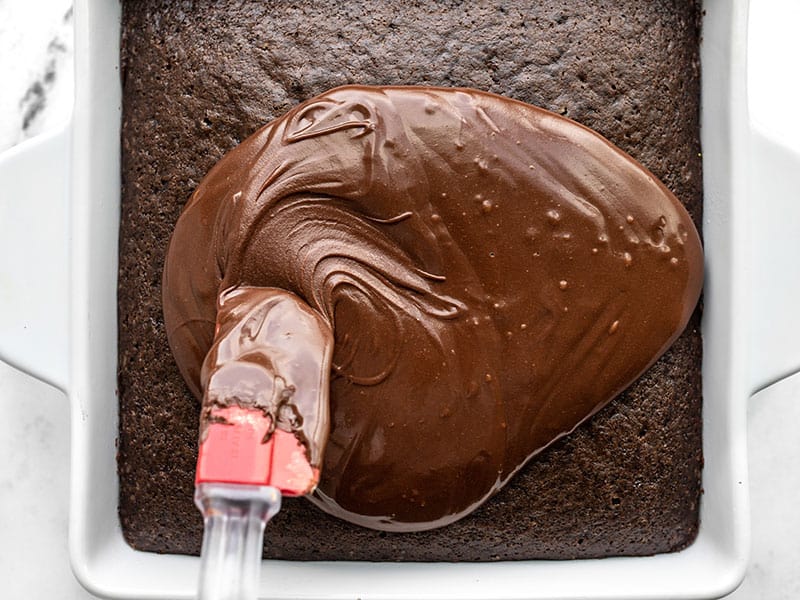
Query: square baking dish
[[76, 260]]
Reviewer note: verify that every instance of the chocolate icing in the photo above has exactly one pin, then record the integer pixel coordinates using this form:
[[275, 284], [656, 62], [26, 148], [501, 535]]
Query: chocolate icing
[[273, 353], [493, 274]]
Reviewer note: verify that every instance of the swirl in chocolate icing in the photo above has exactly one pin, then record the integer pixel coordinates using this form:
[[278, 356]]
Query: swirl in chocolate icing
[[493, 275]]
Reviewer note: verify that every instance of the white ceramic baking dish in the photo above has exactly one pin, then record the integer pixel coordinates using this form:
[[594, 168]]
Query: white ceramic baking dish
[[58, 316]]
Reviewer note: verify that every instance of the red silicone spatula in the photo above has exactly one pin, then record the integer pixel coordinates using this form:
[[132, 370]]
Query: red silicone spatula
[[242, 472], [270, 360]]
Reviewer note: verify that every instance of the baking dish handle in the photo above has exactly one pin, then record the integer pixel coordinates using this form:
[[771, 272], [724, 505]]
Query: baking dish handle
[[774, 258], [34, 257], [773, 191]]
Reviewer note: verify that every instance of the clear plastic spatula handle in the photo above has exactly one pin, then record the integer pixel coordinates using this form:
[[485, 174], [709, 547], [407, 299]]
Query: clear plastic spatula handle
[[234, 517]]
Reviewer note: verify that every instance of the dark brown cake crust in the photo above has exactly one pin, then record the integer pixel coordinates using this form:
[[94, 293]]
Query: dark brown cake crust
[[197, 80]]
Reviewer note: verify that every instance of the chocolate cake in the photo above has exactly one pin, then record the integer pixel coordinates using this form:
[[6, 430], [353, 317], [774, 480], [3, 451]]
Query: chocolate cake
[[197, 82]]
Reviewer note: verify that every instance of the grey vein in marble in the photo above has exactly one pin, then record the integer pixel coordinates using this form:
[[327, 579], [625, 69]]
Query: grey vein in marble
[[36, 67]]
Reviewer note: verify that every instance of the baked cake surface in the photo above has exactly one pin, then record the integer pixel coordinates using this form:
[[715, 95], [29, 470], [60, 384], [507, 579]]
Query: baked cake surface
[[198, 80]]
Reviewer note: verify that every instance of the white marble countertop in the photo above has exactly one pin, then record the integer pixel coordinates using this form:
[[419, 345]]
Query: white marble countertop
[[35, 96]]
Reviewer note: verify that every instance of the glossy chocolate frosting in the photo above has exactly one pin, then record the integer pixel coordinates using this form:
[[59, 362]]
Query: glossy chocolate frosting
[[493, 275], [271, 352]]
